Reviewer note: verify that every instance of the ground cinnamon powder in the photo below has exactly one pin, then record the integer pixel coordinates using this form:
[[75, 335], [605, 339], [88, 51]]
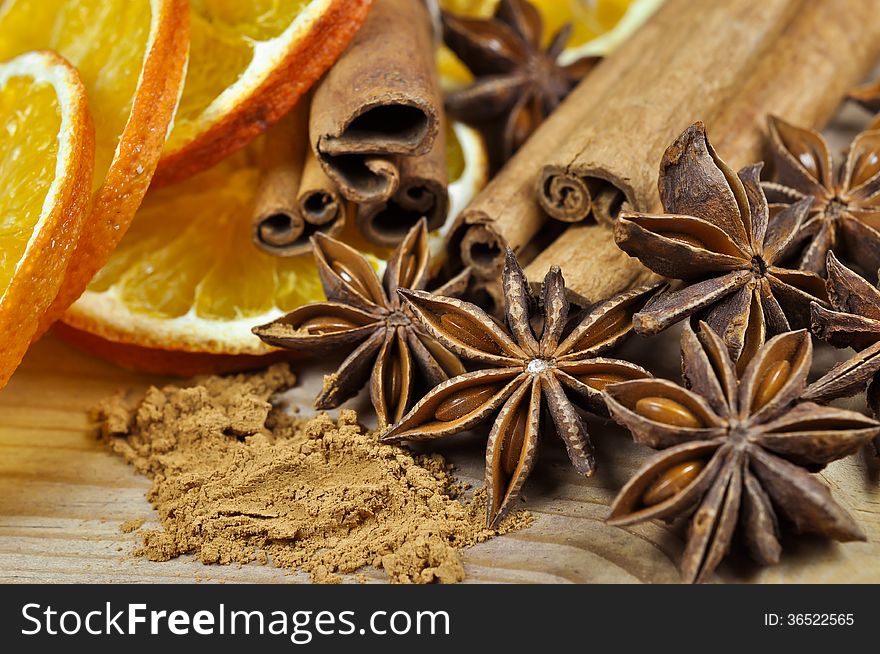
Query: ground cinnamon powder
[[236, 480]]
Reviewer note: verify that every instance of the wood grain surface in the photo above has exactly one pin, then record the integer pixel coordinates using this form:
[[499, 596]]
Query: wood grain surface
[[63, 496]]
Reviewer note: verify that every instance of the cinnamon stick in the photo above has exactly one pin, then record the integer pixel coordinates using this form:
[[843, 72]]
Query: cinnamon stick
[[318, 200], [489, 295], [589, 246], [505, 213], [802, 77], [278, 226], [380, 101], [422, 193], [710, 49]]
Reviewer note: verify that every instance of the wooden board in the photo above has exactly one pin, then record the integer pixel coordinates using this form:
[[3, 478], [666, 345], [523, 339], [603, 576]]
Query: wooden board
[[63, 498]]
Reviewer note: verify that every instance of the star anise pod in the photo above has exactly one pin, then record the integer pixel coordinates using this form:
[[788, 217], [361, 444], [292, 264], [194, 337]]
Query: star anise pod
[[525, 374], [736, 451], [853, 321], [365, 315], [716, 236], [518, 82], [845, 215]]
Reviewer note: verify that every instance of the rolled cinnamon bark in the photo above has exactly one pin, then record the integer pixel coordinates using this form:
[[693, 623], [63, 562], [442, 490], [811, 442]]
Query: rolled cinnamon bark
[[318, 200], [505, 212], [381, 100], [489, 295], [708, 52], [804, 85], [422, 193], [803, 79], [593, 266], [278, 226]]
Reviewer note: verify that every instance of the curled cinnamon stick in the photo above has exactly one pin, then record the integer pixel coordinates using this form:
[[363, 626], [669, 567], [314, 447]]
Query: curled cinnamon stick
[[277, 223], [593, 266], [505, 213], [422, 193], [804, 85], [318, 200], [295, 198], [489, 295], [624, 135], [567, 197], [381, 100]]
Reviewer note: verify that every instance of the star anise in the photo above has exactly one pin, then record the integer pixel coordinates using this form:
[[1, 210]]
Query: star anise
[[853, 321], [716, 236], [736, 451], [518, 82], [845, 215], [524, 371], [366, 316]]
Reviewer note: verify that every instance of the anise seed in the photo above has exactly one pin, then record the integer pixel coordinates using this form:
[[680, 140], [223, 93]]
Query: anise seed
[[462, 403], [600, 380], [806, 154], [753, 337], [449, 363], [464, 330], [512, 443], [684, 238], [773, 380], [350, 278], [672, 482], [838, 191], [393, 383], [612, 324], [406, 270], [326, 325], [669, 412], [363, 317], [866, 167]]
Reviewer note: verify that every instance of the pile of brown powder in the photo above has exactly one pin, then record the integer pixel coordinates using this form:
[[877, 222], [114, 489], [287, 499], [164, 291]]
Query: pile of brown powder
[[235, 480]]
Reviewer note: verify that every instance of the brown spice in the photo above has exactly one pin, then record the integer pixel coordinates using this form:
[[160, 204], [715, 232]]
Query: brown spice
[[422, 193], [277, 225], [132, 525], [845, 210], [364, 316], [521, 376], [318, 200], [742, 455], [716, 236], [295, 198], [852, 321], [381, 100], [519, 81], [235, 481]]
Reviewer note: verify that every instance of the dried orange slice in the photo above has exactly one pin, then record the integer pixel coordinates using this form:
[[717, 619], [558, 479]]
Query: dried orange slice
[[250, 61], [588, 18], [130, 55], [187, 279], [46, 159]]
